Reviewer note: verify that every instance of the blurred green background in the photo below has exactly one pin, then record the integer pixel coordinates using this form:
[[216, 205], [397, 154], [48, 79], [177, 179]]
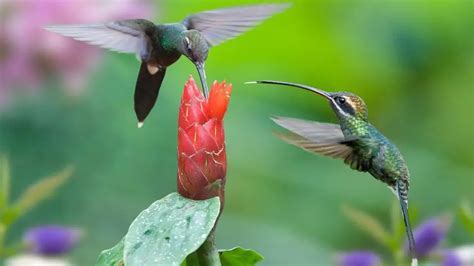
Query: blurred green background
[[412, 62]]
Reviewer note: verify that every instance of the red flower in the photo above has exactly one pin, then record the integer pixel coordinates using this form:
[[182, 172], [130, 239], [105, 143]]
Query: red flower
[[202, 160]]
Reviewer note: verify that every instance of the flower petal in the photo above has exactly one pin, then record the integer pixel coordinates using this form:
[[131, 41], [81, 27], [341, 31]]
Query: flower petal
[[52, 239], [430, 234], [358, 258]]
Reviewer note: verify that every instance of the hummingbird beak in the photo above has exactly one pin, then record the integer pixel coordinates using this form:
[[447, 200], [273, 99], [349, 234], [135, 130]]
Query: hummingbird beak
[[325, 94], [202, 76]]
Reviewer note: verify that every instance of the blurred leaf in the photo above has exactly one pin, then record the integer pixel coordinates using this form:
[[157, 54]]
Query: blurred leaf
[[191, 260], [398, 227], [41, 190], [169, 230], [239, 257], [4, 181], [112, 256], [8, 215], [368, 224], [467, 217], [396, 218]]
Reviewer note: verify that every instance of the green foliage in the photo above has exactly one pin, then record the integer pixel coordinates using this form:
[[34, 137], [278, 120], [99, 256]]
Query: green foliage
[[392, 240], [165, 233], [229, 257], [41, 191], [4, 181], [239, 257], [467, 217], [369, 224], [112, 256], [31, 197]]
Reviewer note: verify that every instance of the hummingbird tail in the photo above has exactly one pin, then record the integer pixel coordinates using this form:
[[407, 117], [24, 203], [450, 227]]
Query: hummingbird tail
[[402, 193], [146, 91]]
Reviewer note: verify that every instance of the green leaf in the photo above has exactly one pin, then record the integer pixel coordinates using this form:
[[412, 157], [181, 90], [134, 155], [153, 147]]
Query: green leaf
[[112, 256], [398, 227], [169, 230], [467, 217], [369, 224], [239, 257], [41, 190], [191, 260], [4, 181]]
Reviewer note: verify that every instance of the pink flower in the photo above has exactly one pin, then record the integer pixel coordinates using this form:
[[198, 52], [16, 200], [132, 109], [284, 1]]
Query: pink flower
[[29, 54]]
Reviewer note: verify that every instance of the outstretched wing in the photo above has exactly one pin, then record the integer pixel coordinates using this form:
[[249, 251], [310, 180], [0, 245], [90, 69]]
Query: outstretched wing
[[220, 25], [334, 150], [125, 36], [322, 138]]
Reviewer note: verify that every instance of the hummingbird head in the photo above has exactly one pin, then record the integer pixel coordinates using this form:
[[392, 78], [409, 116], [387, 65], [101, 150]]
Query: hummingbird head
[[196, 48], [345, 104]]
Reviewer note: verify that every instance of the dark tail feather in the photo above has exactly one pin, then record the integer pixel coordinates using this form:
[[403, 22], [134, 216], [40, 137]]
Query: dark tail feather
[[146, 91], [403, 197]]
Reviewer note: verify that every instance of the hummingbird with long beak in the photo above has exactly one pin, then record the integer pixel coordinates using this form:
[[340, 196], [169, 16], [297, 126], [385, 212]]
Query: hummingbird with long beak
[[353, 140], [158, 46]]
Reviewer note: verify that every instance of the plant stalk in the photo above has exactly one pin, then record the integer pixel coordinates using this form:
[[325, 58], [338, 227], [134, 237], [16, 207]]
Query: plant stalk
[[207, 254]]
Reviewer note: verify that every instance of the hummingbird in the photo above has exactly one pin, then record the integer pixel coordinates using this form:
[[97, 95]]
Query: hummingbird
[[158, 46], [353, 140]]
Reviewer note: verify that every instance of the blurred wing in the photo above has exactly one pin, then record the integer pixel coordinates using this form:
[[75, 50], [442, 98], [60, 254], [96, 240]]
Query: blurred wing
[[220, 25], [314, 131], [126, 36], [334, 150], [323, 138]]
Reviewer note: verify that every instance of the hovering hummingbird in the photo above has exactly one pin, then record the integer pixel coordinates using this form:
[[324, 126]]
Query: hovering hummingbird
[[158, 46], [354, 140]]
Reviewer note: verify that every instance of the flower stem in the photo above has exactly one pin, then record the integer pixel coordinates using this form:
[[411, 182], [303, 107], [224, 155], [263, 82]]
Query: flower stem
[[207, 254]]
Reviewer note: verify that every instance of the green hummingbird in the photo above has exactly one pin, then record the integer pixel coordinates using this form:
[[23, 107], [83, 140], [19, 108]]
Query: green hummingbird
[[158, 46], [355, 141]]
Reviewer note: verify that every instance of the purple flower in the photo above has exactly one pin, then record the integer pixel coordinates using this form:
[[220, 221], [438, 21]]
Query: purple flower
[[358, 258], [29, 54], [52, 239], [429, 235], [450, 258], [463, 254]]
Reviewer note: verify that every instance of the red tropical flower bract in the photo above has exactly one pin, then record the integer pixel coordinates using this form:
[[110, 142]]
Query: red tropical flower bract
[[202, 161]]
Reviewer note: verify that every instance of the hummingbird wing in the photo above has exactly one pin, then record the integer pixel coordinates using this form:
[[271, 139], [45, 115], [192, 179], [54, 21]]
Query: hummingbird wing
[[220, 25], [146, 91], [322, 138], [124, 36], [325, 139]]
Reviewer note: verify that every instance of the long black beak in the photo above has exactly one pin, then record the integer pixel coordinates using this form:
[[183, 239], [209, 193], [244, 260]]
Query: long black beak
[[202, 76], [325, 94]]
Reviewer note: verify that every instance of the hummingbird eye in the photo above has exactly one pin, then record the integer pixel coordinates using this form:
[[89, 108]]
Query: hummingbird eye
[[188, 44], [340, 100]]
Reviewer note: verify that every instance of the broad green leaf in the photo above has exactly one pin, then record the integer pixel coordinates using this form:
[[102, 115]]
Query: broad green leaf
[[467, 217], [191, 260], [169, 230], [41, 190], [239, 257], [368, 224], [112, 256], [4, 181]]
